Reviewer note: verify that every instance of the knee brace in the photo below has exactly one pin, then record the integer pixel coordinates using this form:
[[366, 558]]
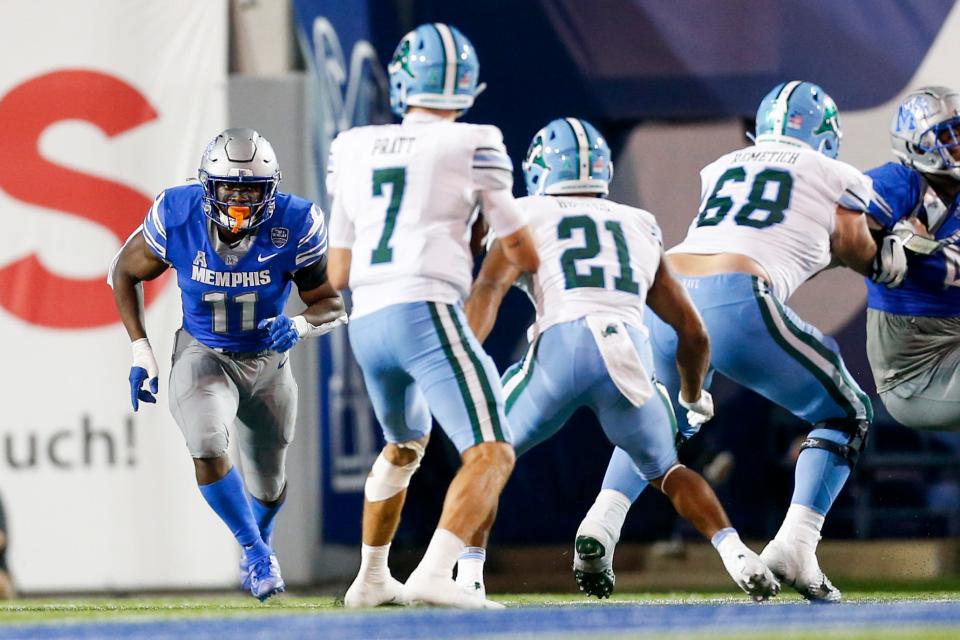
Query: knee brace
[[856, 430], [387, 479]]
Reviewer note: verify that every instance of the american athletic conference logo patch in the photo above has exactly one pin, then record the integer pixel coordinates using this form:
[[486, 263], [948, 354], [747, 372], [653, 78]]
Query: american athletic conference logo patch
[[279, 236]]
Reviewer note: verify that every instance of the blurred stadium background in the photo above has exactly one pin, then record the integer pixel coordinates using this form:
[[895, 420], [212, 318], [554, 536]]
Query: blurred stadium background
[[103, 104]]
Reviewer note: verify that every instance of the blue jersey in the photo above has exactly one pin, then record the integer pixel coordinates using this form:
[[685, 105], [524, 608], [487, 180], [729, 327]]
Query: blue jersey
[[932, 285], [225, 298]]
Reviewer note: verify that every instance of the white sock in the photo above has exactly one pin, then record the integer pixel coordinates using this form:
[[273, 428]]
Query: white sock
[[609, 510], [373, 562], [727, 542], [441, 555], [801, 526], [470, 566]]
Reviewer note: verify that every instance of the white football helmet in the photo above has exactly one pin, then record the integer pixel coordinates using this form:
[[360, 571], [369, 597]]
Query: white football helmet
[[239, 157], [925, 130]]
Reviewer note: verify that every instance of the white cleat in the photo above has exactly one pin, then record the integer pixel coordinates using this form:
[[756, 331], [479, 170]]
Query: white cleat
[[443, 592], [751, 574], [364, 593], [473, 588], [800, 570], [593, 560]]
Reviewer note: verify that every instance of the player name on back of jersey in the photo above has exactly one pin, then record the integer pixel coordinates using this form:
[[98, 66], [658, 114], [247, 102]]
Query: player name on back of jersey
[[583, 203], [757, 155], [392, 145]]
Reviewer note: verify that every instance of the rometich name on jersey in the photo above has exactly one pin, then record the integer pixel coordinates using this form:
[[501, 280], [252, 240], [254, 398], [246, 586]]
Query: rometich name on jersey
[[390, 146], [780, 157], [230, 278]]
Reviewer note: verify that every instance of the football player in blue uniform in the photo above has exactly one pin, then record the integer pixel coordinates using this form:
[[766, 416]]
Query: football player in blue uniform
[[236, 244], [913, 331]]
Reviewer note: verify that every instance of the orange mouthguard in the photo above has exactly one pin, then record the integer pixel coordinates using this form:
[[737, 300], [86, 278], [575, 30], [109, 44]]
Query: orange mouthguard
[[239, 214]]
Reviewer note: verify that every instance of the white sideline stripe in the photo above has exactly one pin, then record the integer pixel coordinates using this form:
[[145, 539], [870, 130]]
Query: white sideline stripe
[[584, 143], [450, 54], [824, 365], [470, 373]]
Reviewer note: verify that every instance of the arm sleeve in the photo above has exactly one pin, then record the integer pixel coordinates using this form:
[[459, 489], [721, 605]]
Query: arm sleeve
[[897, 194], [332, 175], [341, 227], [493, 179], [312, 245], [154, 228], [854, 188]]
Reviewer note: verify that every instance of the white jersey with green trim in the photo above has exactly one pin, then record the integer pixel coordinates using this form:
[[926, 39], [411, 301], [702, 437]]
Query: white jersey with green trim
[[775, 203], [597, 257], [404, 199]]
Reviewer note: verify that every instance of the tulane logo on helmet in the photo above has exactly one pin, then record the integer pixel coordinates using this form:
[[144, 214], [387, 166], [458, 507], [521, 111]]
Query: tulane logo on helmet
[[568, 156], [434, 66], [800, 112], [926, 129]]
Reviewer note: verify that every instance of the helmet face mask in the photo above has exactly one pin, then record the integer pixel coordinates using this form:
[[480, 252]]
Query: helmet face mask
[[568, 156], [434, 66], [239, 174], [925, 132], [800, 113]]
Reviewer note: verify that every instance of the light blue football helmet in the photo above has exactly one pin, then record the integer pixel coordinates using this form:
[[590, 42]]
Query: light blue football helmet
[[434, 66], [800, 112], [568, 156]]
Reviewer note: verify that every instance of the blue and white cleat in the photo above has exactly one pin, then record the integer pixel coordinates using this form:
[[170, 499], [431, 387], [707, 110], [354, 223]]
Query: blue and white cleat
[[244, 572], [265, 578]]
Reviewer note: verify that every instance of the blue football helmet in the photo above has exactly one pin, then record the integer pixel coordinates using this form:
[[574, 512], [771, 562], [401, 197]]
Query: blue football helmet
[[800, 112], [926, 128], [434, 66], [568, 156]]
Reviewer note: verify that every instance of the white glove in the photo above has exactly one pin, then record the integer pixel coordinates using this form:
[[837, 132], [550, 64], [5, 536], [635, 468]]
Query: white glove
[[700, 411], [890, 263], [144, 369], [307, 330]]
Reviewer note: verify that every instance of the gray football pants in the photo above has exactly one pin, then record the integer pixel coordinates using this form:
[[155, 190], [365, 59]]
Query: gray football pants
[[210, 390]]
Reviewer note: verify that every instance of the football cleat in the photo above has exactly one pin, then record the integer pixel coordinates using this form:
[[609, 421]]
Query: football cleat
[[444, 592], [800, 570], [473, 587], [244, 572], [364, 593], [751, 574], [593, 567], [265, 578]]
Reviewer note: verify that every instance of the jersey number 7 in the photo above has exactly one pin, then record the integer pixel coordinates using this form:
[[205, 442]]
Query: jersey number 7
[[397, 178]]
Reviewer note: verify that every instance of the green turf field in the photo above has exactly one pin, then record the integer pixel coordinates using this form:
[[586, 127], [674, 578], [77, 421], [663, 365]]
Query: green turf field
[[100, 609]]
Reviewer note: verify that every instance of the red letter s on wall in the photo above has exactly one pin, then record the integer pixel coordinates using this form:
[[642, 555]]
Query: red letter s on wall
[[27, 289]]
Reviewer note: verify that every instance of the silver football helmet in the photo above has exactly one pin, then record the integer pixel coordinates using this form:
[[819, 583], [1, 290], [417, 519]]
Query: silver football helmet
[[239, 173], [925, 131]]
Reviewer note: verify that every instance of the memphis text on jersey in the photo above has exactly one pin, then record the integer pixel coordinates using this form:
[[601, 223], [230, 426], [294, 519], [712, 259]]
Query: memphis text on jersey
[[202, 274]]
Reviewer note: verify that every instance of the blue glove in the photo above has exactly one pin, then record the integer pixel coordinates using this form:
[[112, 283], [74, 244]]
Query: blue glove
[[282, 331], [144, 368]]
